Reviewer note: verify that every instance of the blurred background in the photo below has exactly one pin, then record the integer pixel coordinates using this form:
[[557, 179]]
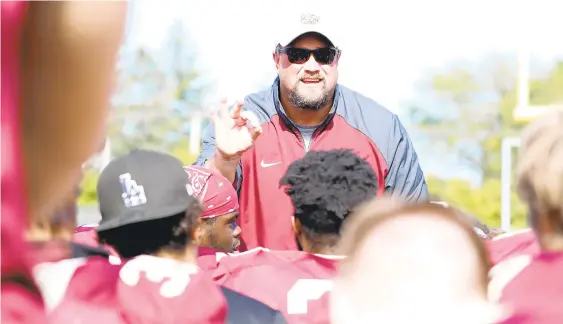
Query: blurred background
[[464, 76]]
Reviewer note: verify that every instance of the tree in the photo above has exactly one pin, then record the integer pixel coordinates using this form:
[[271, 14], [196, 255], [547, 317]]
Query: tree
[[158, 93], [471, 111]]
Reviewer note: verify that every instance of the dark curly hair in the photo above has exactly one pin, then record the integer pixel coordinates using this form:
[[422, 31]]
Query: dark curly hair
[[171, 234], [326, 186]]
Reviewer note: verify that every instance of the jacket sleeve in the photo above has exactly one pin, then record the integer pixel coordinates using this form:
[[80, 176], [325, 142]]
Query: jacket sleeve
[[405, 178], [208, 150]]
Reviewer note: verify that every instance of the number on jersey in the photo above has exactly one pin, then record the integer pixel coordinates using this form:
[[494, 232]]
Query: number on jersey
[[173, 276], [305, 290]]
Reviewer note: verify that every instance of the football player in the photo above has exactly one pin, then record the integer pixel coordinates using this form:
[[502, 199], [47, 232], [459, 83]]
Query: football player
[[412, 264], [531, 283], [324, 187]]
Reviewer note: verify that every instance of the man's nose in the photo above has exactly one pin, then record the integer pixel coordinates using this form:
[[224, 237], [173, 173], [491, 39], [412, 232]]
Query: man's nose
[[312, 65], [237, 231]]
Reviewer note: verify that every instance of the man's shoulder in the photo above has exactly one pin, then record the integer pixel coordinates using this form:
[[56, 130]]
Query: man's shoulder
[[378, 123], [355, 102], [261, 103]]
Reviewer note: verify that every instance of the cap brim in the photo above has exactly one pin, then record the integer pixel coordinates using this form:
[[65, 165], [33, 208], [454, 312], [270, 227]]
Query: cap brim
[[289, 39], [138, 215]]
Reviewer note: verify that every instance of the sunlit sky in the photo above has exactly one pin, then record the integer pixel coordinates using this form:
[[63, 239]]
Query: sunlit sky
[[386, 44]]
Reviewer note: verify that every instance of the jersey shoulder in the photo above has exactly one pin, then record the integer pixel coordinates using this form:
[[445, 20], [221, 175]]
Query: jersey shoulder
[[512, 244], [297, 282], [149, 290], [536, 285]]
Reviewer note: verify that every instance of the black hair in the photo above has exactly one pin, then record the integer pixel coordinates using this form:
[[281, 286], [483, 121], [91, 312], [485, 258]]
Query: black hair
[[172, 234], [325, 187]]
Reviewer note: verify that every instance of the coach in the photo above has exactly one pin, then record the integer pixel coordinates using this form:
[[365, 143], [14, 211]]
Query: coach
[[305, 109]]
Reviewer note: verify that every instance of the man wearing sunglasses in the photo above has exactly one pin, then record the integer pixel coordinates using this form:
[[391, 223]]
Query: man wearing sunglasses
[[253, 143]]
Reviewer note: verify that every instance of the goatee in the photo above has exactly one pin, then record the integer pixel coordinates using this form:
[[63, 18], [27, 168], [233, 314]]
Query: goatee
[[299, 101]]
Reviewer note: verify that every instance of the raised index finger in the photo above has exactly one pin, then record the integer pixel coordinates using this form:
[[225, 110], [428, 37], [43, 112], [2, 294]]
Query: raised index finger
[[235, 113], [223, 108]]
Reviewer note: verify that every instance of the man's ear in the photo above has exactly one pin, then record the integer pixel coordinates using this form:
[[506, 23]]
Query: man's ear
[[198, 232], [296, 225], [276, 58]]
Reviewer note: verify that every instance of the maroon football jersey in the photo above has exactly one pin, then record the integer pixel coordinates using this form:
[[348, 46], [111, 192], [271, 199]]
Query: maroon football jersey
[[145, 289], [532, 286], [208, 258], [294, 282], [512, 244]]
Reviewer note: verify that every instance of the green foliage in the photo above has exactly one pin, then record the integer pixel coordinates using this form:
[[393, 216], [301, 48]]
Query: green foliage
[[481, 201], [473, 130], [89, 194], [158, 93], [90, 180]]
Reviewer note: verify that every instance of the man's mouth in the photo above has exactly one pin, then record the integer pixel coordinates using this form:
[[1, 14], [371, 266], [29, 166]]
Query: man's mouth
[[311, 81]]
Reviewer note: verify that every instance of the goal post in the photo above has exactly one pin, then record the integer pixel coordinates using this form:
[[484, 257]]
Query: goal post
[[508, 144], [524, 112]]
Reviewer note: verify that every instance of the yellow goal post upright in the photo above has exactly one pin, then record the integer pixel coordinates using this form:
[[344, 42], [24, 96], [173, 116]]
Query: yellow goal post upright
[[523, 113]]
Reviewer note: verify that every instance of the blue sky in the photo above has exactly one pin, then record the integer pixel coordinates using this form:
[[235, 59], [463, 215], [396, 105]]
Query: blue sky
[[387, 45]]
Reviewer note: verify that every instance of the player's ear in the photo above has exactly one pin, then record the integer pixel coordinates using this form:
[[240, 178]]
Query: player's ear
[[198, 232], [296, 225]]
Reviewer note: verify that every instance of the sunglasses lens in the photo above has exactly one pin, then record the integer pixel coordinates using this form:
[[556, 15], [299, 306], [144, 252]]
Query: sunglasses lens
[[298, 55], [324, 55]]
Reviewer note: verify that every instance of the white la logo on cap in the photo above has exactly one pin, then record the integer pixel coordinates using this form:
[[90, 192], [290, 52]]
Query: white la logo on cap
[[310, 19], [132, 194]]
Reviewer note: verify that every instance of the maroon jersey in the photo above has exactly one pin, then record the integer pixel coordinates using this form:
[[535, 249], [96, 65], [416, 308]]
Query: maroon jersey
[[530, 285], [512, 244], [145, 289], [294, 282], [208, 258]]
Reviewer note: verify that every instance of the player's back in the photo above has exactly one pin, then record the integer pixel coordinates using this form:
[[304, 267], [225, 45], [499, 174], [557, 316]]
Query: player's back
[[532, 285], [145, 289], [512, 244], [293, 282]]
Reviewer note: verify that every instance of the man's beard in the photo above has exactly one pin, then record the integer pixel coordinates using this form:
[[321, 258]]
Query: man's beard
[[301, 102]]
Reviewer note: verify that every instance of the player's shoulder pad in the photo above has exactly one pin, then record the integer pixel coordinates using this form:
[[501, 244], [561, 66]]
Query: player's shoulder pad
[[511, 234]]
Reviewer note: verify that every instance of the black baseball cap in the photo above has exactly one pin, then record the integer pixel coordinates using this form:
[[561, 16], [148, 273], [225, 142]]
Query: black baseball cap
[[141, 186]]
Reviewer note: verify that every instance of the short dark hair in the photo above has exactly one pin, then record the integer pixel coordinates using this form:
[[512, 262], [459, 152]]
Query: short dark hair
[[172, 233], [326, 186]]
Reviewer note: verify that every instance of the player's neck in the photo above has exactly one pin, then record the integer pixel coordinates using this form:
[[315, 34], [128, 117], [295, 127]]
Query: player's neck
[[551, 242], [324, 250], [185, 256]]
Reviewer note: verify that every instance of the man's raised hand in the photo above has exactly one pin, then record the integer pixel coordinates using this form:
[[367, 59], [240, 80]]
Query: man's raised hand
[[235, 130]]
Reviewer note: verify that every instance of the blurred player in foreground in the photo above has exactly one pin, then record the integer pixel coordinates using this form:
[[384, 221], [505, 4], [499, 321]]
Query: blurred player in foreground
[[149, 216], [412, 264], [532, 284], [58, 59], [324, 188]]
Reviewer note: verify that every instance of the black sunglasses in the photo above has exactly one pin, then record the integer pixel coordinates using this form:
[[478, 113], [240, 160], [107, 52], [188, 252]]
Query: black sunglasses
[[323, 55]]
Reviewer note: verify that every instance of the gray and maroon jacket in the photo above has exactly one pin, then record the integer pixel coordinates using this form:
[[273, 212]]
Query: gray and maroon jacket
[[355, 122]]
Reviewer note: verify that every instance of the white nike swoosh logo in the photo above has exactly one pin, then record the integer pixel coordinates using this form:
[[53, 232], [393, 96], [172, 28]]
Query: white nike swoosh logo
[[267, 165]]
